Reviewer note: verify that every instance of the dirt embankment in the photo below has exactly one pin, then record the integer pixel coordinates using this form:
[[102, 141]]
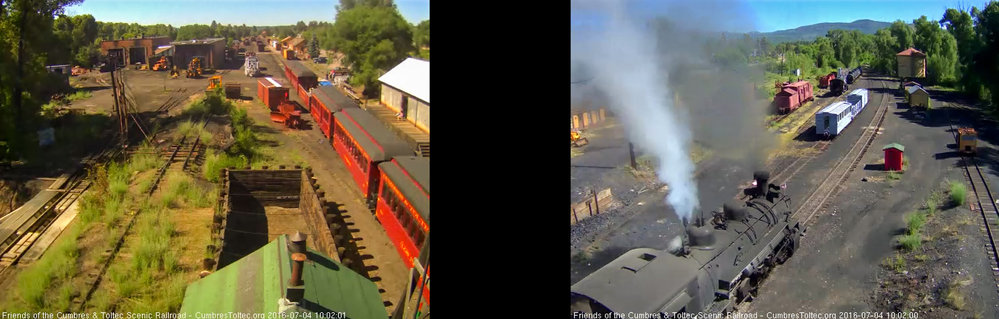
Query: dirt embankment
[[934, 272]]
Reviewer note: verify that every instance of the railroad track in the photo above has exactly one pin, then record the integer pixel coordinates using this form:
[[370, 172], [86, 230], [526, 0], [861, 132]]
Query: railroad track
[[830, 185], [28, 233], [176, 149]]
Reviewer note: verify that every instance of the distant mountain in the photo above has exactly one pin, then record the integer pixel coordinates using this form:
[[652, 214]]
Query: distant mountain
[[810, 32]]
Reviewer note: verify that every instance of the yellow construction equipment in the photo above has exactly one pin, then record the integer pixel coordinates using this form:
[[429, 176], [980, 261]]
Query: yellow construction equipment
[[577, 139], [194, 68], [213, 83], [162, 64], [174, 73]]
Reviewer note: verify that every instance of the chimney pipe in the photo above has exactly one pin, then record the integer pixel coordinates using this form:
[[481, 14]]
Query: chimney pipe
[[296, 289], [761, 178], [297, 242]]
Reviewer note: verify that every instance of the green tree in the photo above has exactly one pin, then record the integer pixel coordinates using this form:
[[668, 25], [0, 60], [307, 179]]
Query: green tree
[[194, 31], [421, 34], [373, 39], [314, 47]]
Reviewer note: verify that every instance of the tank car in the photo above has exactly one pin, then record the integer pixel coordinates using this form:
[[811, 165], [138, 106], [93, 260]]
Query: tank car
[[854, 75], [716, 264]]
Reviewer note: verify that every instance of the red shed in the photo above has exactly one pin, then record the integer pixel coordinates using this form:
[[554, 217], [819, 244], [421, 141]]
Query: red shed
[[893, 156], [271, 92]]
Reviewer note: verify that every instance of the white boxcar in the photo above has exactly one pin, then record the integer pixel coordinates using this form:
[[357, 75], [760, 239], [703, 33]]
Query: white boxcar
[[832, 119], [858, 100]]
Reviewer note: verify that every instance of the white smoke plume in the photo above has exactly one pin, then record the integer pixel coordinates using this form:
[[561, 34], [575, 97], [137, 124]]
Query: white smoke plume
[[620, 57]]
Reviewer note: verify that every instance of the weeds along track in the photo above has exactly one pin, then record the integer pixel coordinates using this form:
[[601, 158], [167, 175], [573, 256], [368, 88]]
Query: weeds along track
[[831, 184], [174, 151], [21, 231], [986, 204]]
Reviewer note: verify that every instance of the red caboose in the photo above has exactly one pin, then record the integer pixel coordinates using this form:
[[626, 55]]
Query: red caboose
[[271, 92], [302, 79], [323, 102], [793, 95], [824, 81], [363, 141]]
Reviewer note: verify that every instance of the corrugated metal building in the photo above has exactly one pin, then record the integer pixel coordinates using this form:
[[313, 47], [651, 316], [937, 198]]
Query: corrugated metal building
[[259, 283], [133, 50], [212, 50], [406, 89]]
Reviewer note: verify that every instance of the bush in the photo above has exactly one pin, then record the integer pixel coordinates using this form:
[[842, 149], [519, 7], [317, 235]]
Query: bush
[[146, 159], [915, 222], [911, 241], [958, 192], [215, 162]]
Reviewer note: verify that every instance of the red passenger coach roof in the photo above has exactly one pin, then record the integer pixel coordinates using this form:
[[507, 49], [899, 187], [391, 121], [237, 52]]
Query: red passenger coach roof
[[373, 136], [299, 70], [333, 99], [411, 175]]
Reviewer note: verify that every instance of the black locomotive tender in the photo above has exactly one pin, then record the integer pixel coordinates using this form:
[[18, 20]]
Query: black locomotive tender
[[717, 266], [854, 75]]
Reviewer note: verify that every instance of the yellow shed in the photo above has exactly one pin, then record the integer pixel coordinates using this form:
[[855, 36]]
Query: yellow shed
[[911, 63], [918, 97]]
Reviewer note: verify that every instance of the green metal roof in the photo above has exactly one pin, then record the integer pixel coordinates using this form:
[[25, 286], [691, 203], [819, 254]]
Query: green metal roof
[[895, 146], [256, 282]]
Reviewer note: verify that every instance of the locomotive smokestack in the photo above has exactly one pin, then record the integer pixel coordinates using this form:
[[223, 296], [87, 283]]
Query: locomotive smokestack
[[761, 178], [702, 237]]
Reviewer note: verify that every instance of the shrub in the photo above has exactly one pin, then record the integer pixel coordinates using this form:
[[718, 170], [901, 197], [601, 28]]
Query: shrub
[[911, 241], [958, 192], [146, 159], [215, 162], [915, 222]]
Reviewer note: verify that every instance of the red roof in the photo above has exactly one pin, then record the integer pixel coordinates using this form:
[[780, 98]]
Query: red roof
[[912, 52], [787, 91], [796, 84]]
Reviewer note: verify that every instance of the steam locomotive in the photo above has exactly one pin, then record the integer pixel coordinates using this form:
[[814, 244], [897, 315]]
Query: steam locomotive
[[710, 268]]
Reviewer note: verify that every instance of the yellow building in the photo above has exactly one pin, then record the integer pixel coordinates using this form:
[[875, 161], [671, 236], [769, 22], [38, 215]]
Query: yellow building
[[911, 63]]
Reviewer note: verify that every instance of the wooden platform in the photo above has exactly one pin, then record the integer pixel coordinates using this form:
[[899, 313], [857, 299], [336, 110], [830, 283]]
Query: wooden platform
[[417, 138]]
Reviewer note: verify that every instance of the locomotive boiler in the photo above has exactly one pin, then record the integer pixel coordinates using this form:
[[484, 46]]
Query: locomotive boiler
[[715, 265]]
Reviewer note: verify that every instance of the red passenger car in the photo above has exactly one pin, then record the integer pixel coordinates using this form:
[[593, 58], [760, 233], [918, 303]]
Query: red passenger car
[[302, 79], [271, 92], [404, 203], [793, 95], [404, 209], [363, 141], [824, 81], [323, 102]]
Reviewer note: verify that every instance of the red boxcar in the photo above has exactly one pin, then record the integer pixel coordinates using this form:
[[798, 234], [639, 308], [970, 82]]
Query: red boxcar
[[363, 141], [271, 92], [300, 76], [793, 95], [824, 81], [323, 102]]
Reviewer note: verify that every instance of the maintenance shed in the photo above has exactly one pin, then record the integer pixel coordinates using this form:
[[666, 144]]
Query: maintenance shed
[[211, 50], [918, 97], [133, 50], [406, 89], [264, 282]]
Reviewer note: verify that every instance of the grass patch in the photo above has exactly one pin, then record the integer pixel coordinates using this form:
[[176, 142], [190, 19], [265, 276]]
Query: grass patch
[[894, 176], [911, 241], [56, 266], [79, 95], [216, 161], [953, 297], [958, 193], [147, 158], [915, 222], [897, 263]]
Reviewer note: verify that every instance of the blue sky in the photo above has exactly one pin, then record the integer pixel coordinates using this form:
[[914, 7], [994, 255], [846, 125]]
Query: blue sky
[[236, 12], [773, 15]]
